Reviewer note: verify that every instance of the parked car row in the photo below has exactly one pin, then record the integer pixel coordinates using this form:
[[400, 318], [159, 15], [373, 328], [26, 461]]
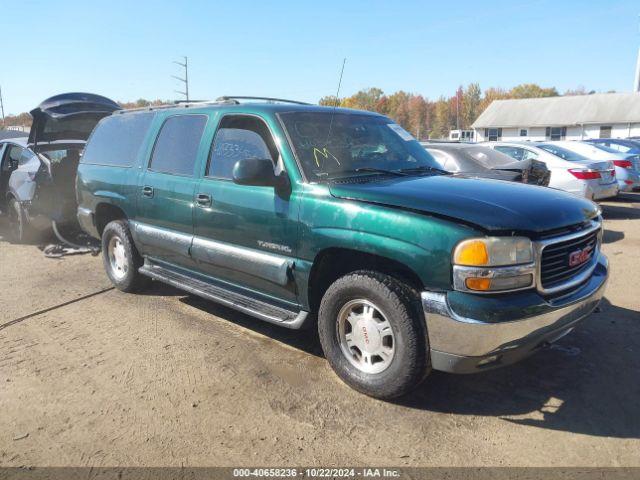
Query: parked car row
[[595, 169], [481, 162], [336, 219]]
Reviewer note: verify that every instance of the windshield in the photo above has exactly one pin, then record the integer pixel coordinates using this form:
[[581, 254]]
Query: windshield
[[562, 152], [342, 144]]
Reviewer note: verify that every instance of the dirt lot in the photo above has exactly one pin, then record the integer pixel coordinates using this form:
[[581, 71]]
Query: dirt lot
[[103, 378]]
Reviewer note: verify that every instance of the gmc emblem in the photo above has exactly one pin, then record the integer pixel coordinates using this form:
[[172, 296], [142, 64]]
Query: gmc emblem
[[580, 256]]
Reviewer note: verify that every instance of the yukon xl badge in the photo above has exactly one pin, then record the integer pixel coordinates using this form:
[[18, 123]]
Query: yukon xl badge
[[580, 256], [274, 246]]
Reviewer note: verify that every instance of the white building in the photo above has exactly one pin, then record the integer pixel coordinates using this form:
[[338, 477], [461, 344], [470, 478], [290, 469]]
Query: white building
[[600, 115]]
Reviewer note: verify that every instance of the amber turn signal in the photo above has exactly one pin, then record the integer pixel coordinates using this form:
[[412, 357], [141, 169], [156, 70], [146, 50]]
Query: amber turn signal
[[480, 284]]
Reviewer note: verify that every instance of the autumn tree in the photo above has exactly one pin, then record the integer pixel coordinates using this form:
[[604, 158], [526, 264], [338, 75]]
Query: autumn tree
[[531, 90]]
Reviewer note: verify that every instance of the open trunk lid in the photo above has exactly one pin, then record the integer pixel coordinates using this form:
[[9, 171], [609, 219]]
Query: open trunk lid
[[68, 117]]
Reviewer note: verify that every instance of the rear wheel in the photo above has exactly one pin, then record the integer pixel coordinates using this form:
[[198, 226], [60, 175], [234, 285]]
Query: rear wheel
[[121, 258], [373, 335], [20, 230]]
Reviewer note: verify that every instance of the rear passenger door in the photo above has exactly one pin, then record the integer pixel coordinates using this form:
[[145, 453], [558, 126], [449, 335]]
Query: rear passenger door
[[164, 220], [245, 235]]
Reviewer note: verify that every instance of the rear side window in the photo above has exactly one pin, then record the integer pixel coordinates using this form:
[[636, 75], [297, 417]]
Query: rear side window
[[177, 145], [117, 139]]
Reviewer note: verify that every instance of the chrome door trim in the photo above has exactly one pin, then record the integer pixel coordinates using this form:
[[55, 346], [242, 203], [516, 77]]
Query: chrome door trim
[[274, 268], [164, 238]]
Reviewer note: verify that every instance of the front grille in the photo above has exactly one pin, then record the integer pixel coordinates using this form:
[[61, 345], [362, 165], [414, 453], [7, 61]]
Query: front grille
[[555, 261]]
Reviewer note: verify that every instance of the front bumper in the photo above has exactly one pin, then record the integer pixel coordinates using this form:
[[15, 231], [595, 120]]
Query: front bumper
[[460, 344]]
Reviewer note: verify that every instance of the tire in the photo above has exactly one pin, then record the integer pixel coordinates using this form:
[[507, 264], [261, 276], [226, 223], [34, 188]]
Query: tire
[[20, 230], [396, 314], [121, 258]]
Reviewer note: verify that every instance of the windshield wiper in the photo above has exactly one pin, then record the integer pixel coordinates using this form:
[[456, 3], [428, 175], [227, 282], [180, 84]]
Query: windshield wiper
[[424, 168], [398, 173]]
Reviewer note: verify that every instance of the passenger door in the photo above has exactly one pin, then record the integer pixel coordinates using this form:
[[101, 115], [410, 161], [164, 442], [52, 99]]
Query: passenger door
[[245, 235], [164, 220]]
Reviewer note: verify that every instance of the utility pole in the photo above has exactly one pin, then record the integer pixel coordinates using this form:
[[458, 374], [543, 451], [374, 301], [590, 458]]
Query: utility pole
[[184, 79], [2, 107]]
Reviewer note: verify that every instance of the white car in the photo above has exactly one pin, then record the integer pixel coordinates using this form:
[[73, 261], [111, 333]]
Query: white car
[[626, 175], [574, 173]]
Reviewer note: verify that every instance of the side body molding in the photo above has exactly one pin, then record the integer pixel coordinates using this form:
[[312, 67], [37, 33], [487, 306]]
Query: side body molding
[[163, 238], [274, 268], [271, 267]]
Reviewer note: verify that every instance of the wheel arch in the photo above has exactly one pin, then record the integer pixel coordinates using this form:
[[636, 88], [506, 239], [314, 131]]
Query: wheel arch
[[335, 262], [107, 212]]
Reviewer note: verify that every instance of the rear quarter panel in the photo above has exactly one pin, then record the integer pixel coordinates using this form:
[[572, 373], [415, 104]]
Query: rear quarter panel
[[96, 184]]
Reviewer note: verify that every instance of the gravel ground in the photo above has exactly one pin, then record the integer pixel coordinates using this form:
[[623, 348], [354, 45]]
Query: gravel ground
[[90, 376]]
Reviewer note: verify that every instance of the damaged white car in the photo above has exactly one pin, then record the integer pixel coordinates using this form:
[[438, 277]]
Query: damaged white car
[[37, 174]]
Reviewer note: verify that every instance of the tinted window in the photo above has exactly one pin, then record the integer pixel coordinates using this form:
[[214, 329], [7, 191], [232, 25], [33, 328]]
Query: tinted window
[[177, 145], [117, 139], [238, 138]]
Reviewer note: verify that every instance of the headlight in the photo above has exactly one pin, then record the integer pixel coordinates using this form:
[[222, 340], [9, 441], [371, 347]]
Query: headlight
[[493, 251], [493, 264]]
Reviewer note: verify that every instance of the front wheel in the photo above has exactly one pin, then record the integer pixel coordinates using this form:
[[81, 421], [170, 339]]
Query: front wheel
[[373, 334], [121, 258]]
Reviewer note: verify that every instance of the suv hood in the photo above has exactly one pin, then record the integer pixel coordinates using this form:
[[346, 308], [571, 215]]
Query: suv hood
[[68, 117], [489, 204]]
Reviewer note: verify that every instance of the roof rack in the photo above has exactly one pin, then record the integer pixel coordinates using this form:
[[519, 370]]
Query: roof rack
[[199, 103], [227, 98]]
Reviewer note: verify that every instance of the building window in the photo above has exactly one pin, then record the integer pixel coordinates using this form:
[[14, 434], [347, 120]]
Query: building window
[[524, 132], [605, 132], [556, 133], [493, 134]]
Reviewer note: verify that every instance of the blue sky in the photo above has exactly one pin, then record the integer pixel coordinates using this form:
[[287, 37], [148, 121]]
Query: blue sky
[[294, 49]]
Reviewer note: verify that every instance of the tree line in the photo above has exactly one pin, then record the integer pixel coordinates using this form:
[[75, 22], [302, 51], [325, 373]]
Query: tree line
[[422, 117], [433, 119]]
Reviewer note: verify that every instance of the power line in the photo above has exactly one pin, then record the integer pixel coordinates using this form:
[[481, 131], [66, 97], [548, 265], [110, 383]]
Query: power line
[[184, 79]]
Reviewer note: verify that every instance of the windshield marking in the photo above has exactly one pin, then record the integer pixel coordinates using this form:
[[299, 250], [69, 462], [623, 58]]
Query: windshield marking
[[325, 153]]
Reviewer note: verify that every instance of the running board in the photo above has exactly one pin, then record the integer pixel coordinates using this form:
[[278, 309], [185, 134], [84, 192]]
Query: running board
[[250, 306]]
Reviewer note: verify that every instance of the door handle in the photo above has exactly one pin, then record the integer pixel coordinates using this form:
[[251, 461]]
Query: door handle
[[203, 200], [147, 191]]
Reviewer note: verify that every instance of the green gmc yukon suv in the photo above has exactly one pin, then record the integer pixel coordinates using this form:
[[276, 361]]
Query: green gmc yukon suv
[[338, 219]]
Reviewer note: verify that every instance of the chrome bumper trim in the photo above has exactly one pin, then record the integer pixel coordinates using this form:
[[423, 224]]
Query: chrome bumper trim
[[451, 333]]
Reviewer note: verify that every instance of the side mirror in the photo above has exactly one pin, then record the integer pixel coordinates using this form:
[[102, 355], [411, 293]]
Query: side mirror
[[255, 171]]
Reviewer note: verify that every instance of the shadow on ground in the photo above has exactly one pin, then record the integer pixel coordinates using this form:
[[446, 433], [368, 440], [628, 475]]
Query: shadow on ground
[[612, 236], [585, 383]]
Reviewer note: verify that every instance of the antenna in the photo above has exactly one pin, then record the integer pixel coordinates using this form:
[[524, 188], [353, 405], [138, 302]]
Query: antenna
[[335, 105], [184, 79]]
